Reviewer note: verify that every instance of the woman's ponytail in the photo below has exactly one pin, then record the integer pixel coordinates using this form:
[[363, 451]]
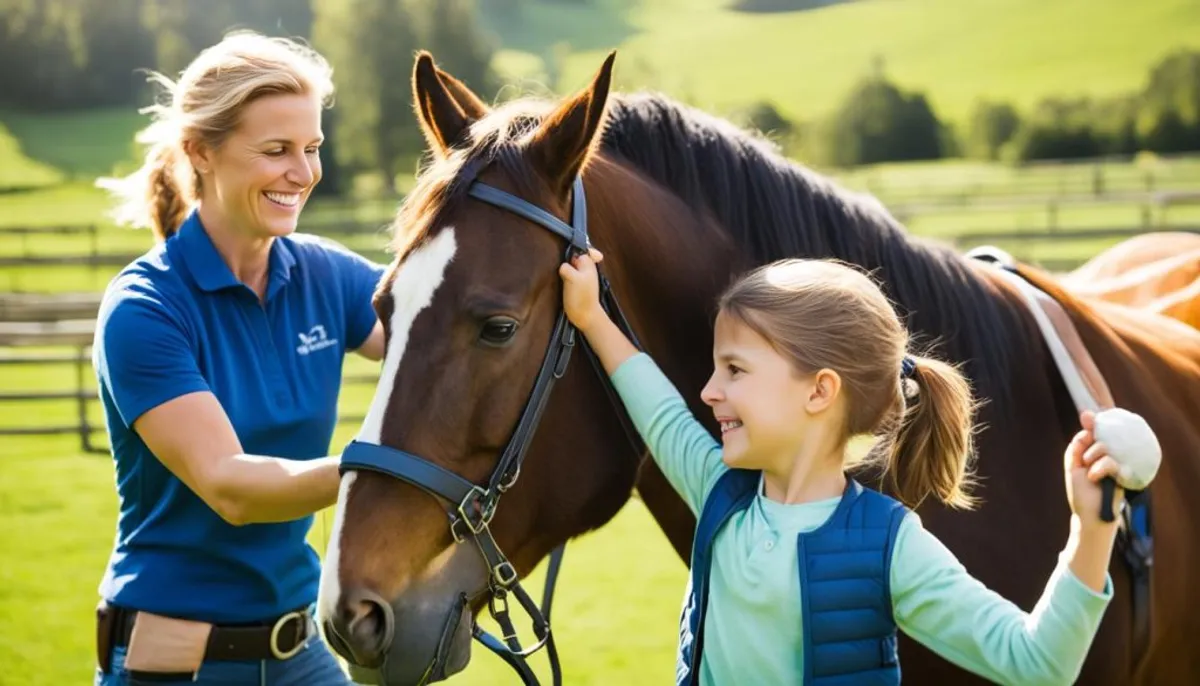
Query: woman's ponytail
[[160, 193], [166, 199]]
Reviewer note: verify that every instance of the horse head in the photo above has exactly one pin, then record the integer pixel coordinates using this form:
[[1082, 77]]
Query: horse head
[[475, 336]]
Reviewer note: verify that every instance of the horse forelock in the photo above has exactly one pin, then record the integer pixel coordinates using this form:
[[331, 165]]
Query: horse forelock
[[497, 139]]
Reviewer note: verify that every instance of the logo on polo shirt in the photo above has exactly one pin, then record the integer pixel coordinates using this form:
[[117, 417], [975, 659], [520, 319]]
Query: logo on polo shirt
[[314, 340]]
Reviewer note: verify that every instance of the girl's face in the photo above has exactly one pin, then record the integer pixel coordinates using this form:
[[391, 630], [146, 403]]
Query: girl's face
[[761, 401]]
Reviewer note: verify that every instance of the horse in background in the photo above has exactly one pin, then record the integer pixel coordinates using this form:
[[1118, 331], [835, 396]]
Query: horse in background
[[1158, 272], [680, 203]]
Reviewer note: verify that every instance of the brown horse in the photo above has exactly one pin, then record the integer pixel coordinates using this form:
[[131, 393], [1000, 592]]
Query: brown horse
[[1158, 272], [680, 203]]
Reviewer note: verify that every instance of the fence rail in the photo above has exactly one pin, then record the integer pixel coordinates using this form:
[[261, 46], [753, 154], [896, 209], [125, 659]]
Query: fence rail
[[84, 396], [43, 320]]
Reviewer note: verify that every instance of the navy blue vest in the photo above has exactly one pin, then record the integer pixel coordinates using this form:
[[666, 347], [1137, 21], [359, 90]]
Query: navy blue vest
[[845, 565]]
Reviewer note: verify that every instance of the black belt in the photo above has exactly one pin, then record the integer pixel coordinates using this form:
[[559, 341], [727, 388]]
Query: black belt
[[278, 639]]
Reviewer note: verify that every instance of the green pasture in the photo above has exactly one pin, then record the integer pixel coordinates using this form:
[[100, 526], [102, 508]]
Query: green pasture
[[939, 199], [1014, 50]]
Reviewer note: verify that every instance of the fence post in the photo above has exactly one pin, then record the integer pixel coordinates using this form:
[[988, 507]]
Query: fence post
[[85, 431], [94, 239]]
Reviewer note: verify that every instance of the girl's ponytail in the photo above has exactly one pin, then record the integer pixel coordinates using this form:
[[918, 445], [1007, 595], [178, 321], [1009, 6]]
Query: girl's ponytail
[[931, 449]]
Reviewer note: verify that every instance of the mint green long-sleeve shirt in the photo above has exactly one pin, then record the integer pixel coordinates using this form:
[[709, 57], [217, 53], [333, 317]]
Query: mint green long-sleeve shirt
[[753, 631]]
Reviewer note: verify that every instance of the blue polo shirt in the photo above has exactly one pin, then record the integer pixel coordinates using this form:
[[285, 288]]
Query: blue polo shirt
[[176, 321]]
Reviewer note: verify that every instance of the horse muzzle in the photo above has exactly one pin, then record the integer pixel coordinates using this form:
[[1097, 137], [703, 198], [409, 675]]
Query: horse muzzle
[[396, 644]]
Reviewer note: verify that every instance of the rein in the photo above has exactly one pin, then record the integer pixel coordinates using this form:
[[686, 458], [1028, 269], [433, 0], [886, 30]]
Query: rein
[[472, 506]]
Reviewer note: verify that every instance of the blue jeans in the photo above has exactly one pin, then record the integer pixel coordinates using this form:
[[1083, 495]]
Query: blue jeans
[[315, 665]]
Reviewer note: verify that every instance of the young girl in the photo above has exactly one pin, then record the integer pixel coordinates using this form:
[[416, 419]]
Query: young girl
[[809, 354]]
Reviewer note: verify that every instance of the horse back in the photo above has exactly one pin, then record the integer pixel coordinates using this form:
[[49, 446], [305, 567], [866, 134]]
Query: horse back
[[1152, 366]]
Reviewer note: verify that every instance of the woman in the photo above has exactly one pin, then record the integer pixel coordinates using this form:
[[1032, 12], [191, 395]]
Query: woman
[[219, 360]]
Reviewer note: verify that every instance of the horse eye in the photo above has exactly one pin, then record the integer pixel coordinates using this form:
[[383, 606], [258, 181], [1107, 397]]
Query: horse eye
[[498, 330]]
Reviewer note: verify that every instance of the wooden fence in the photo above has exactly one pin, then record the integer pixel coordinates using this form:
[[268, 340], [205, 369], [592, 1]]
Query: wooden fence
[[68, 321], [1078, 180], [59, 328]]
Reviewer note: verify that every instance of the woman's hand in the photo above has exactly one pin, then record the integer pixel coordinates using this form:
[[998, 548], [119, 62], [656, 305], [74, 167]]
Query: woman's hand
[[581, 290], [1087, 461]]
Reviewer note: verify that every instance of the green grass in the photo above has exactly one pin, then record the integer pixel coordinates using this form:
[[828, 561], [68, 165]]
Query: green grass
[[78, 145], [805, 61], [615, 610], [18, 171]]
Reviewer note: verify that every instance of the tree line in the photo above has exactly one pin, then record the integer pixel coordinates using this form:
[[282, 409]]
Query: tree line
[[880, 122], [79, 54]]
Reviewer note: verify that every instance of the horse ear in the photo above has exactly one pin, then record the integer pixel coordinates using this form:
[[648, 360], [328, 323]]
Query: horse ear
[[471, 104], [567, 137], [442, 120]]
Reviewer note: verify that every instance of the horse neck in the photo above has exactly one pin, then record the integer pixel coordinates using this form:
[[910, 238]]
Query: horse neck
[[673, 258], [663, 257], [668, 263]]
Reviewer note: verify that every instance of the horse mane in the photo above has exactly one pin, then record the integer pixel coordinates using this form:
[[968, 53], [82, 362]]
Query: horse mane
[[772, 208]]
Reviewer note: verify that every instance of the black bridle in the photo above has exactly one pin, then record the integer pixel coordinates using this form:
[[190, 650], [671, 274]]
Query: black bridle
[[473, 505]]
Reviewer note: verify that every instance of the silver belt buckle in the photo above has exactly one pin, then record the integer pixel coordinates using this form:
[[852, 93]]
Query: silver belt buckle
[[279, 624]]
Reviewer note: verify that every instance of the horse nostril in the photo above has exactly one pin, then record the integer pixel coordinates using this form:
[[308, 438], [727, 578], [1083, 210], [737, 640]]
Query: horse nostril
[[364, 625]]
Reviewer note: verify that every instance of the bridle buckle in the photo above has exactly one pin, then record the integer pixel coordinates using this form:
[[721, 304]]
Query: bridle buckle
[[475, 512], [504, 574]]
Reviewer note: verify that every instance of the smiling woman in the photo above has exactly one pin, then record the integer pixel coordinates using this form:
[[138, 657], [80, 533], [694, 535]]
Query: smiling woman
[[219, 359]]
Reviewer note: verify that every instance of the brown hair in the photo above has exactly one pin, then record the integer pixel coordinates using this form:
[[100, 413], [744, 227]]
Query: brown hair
[[824, 314], [205, 106]]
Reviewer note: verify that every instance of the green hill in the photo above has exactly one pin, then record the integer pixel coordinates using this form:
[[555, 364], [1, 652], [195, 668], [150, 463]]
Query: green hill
[[719, 58], [956, 51]]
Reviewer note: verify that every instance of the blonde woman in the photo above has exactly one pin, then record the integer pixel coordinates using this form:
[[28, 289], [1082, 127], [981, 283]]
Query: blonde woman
[[219, 359]]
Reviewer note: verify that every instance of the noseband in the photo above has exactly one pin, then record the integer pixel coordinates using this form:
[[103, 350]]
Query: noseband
[[473, 505]]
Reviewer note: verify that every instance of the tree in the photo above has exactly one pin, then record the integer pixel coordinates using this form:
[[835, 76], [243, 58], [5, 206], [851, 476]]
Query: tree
[[458, 43], [880, 123], [1058, 128], [371, 44], [1169, 117], [991, 125]]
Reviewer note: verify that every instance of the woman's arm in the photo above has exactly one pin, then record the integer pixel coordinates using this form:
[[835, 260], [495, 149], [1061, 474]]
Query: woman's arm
[[146, 364], [360, 278], [193, 437], [372, 348]]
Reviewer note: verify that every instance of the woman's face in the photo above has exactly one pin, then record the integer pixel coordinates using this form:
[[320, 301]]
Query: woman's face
[[263, 173]]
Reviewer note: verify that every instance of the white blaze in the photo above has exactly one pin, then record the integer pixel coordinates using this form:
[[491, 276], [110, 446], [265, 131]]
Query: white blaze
[[412, 291]]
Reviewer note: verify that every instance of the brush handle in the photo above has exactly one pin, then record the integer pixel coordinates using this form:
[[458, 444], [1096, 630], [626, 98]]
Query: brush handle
[[1107, 486]]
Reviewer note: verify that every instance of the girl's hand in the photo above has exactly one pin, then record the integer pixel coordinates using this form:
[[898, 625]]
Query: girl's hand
[[581, 290], [1087, 462]]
